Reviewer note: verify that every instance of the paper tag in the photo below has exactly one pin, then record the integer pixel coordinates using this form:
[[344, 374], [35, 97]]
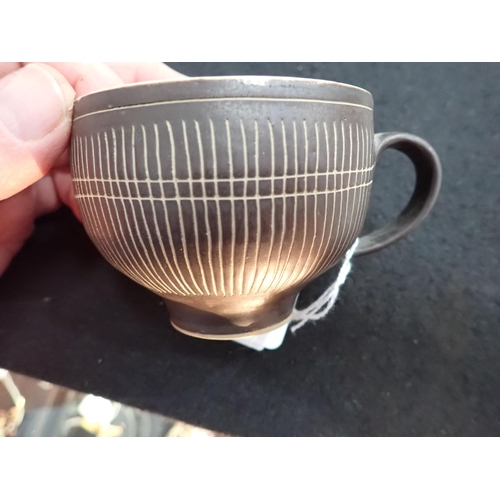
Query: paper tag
[[269, 340]]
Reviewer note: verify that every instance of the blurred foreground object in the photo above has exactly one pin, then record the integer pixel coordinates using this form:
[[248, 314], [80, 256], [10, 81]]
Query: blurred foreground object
[[30, 407]]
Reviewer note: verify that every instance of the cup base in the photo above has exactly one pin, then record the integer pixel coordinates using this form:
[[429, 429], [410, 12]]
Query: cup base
[[229, 318], [234, 336]]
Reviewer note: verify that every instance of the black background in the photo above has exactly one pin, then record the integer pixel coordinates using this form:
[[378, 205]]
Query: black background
[[411, 348]]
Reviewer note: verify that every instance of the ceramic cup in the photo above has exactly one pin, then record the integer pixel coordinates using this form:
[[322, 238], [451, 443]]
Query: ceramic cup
[[226, 196]]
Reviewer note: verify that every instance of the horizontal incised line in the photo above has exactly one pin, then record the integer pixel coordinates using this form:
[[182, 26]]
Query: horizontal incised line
[[231, 180], [220, 198], [210, 99]]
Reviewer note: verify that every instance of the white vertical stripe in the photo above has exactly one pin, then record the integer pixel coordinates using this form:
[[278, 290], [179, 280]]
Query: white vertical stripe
[[179, 207], [294, 227], [336, 223], [351, 196], [106, 234], [369, 160], [322, 249], [137, 270], [329, 245], [306, 270], [217, 206], [356, 194], [84, 202], [273, 209], [77, 173], [359, 177], [179, 276], [205, 207], [138, 225], [341, 244], [298, 265], [100, 233], [193, 207], [142, 267], [159, 237], [232, 277], [257, 201], [127, 265], [348, 204], [245, 208], [277, 277]]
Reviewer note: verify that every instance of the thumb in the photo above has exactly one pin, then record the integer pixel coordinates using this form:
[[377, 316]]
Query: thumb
[[36, 104]]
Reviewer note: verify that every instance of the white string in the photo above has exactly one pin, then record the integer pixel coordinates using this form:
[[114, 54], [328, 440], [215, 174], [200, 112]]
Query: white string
[[321, 307]]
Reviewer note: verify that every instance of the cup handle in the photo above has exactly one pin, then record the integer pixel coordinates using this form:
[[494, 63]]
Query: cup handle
[[428, 182]]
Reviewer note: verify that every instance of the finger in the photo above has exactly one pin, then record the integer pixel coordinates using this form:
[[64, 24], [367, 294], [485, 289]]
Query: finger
[[8, 67], [46, 199], [36, 104], [88, 77], [63, 186], [15, 226], [145, 71]]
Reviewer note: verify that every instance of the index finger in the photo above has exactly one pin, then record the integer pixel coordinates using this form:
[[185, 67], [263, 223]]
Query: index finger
[[87, 77], [135, 72]]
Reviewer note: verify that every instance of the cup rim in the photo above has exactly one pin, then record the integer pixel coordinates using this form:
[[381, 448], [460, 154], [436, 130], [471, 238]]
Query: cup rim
[[252, 79], [222, 87]]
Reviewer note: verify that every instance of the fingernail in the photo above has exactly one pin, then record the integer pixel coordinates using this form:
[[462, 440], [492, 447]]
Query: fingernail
[[33, 102]]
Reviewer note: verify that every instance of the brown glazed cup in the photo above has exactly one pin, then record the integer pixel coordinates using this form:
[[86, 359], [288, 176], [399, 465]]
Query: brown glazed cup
[[226, 196]]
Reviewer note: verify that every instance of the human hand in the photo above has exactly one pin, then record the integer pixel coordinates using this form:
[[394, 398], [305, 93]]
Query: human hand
[[36, 104]]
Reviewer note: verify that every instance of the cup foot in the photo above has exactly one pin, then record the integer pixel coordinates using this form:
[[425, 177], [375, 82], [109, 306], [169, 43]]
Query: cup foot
[[233, 336], [229, 318]]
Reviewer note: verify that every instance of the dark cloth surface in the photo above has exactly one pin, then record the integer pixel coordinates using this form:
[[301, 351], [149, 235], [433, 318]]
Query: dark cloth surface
[[411, 348]]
